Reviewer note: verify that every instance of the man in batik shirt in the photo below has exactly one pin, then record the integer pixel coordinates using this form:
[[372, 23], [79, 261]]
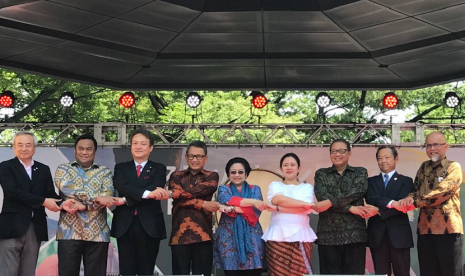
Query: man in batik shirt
[[436, 191], [341, 232], [83, 232], [191, 235]]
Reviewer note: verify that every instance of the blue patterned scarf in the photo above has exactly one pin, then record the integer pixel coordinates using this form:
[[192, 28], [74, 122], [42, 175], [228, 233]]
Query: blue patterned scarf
[[241, 227]]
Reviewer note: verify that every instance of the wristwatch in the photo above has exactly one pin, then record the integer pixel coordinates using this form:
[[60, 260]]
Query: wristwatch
[[171, 193]]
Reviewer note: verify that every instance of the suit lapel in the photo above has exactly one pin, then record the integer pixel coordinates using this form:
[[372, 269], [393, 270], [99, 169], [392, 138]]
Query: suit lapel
[[20, 168], [131, 169], [146, 170], [392, 181], [380, 182]]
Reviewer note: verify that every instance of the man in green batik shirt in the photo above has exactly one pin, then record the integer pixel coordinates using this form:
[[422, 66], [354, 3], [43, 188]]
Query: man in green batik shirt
[[341, 232]]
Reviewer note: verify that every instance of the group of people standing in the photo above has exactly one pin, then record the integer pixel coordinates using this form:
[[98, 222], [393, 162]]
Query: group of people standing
[[344, 196]]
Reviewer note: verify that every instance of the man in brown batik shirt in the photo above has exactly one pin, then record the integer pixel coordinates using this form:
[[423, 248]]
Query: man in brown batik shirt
[[191, 235], [436, 191]]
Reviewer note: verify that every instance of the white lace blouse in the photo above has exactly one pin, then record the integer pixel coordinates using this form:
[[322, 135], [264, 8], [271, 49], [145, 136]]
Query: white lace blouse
[[286, 227]]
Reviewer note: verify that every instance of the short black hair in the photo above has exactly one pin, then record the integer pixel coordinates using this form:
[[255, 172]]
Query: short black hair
[[197, 144], [239, 160], [290, 154], [145, 132], [340, 141], [86, 136], [391, 147]]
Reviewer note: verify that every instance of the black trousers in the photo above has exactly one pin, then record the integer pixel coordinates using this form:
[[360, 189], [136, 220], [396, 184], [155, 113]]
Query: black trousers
[[440, 255], [342, 259], [248, 272], [137, 251], [199, 255], [93, 254], [385, 255]]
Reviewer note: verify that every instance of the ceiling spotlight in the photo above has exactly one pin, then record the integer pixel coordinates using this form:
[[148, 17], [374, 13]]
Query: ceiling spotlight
[[67, 99], [7, 99], [193, 100], [323, 99], [452, 100], [258, 99], [390, 100], [127, 100]]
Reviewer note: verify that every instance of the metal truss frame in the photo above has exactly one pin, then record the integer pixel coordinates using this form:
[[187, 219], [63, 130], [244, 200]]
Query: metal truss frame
[[110, 134]]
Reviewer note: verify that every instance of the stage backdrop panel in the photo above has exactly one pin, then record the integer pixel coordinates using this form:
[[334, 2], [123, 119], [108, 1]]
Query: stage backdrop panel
[[266, 163]]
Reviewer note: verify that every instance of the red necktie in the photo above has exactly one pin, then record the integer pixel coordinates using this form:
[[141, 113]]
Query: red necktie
[[139, 169]]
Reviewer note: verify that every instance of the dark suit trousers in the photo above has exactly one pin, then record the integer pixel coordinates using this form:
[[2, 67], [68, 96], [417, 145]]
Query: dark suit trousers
[[342, 259], [93, 254], [199, 254], [440, 255], [385, 255], [137, 251]]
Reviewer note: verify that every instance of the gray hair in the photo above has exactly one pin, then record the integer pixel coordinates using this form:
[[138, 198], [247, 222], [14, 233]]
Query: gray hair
[[19, 133]]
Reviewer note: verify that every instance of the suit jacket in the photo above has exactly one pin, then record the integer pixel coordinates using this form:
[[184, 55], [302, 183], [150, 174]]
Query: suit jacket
[[132, 188], [23, 197], [395, 222]]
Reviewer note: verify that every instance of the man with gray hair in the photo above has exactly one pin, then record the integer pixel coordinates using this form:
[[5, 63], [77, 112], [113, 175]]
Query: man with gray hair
[[28, 189]]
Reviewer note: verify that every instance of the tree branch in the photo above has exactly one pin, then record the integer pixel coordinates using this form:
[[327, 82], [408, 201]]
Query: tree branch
[[43, 95], [422, 114]]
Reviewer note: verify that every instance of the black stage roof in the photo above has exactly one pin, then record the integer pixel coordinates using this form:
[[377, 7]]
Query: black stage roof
[[237, 44]]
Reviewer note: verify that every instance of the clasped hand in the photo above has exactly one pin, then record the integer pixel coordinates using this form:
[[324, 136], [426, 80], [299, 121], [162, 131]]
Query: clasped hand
[[159, 194]]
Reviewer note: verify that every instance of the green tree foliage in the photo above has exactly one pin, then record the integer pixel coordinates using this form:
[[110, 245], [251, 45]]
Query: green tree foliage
[[37, 100]]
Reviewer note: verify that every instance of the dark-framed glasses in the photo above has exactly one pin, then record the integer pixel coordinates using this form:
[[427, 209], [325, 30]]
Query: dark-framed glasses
[[236, 172], [195, 156], [340, 151], [435, 145]]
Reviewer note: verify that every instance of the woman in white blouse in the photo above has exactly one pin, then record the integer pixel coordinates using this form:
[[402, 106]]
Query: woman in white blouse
[[289, 237]]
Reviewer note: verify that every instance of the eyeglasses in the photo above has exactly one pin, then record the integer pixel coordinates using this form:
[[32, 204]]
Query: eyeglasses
[[236, 172], [430, 146], [340, 151], [198, 156]]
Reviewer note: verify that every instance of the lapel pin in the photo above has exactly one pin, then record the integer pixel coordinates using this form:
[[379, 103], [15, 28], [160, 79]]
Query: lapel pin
[[35, 169], [440, 179], [395, 178]]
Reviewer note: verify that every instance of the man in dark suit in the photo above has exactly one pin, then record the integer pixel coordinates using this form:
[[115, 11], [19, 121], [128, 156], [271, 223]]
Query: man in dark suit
[[138, 225], [28, 189], [389, 234]]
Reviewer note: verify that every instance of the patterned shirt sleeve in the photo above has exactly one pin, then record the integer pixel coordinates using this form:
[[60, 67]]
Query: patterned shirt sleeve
[[359, 188], [224, 194], [321, 191], [445, 189], [106, 189]]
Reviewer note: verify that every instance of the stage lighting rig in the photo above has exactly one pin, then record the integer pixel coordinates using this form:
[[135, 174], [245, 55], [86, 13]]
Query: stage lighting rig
[[259, 100], [7, 99], [67, 99], [323, 100], [390, 100], [193, 100], [127, 100], [452, 100]]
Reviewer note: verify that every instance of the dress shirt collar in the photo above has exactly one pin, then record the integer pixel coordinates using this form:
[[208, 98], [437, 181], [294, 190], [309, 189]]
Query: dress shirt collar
[[93, 166], [27, 168], [24, 164], [202, 171], [348, 168], [142, 164], [390, 174]]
